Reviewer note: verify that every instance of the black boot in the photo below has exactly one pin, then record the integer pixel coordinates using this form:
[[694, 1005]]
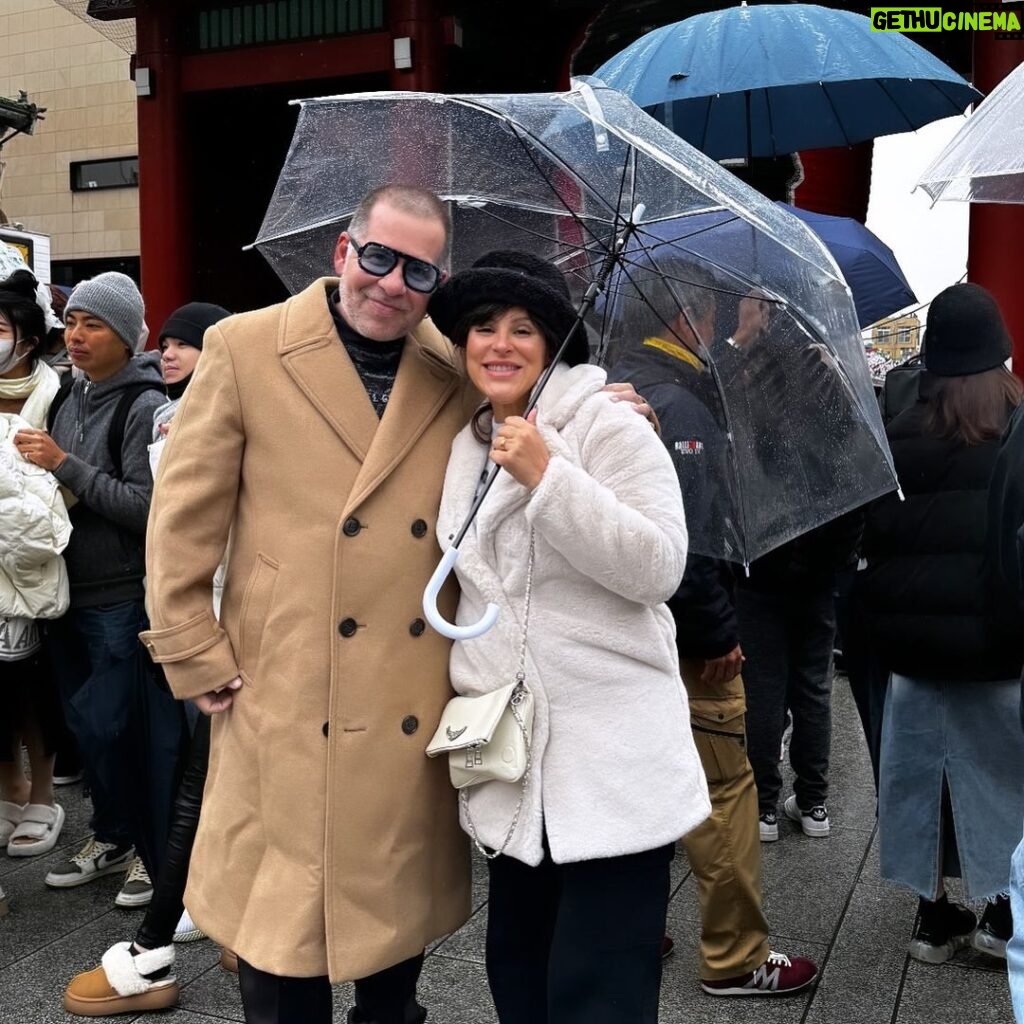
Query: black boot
[[943, 928], [413, 1014], [995, 928]]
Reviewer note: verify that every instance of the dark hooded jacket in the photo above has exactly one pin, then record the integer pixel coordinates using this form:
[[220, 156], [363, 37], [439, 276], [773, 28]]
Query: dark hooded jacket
[[106, 556], [683, 394]]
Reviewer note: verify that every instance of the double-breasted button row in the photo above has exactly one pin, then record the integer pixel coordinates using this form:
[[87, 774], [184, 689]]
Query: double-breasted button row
[[351, 526], [419, 528], [348, 627]]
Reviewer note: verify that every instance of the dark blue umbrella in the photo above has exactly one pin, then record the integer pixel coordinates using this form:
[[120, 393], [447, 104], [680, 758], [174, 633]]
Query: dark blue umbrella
[[779, 78], [867, 263]]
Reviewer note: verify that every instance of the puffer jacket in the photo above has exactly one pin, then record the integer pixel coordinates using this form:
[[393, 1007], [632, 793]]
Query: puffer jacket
[[36, 529], [927, 588]]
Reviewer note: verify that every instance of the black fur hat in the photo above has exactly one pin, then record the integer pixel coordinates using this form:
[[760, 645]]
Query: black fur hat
[[515, 279]]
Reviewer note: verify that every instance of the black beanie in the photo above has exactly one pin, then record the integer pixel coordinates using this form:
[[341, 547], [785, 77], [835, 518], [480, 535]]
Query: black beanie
[[514, 279], [965, 333], [189, 322]]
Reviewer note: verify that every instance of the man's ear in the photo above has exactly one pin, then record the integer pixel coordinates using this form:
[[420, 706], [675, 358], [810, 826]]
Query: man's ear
[[444, 276], [340, 249]]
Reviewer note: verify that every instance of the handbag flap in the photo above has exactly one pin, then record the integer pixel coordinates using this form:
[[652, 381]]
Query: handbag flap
[[467, 721]]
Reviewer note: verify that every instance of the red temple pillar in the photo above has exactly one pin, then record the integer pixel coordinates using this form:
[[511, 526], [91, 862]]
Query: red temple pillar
[[164, 216], [837, 181], [418, 21], [996, 229]]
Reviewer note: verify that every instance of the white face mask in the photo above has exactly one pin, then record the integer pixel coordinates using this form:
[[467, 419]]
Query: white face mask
[[8, 360]]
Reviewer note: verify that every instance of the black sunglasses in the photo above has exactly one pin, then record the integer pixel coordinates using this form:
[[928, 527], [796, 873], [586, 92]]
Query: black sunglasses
[[380, 260]]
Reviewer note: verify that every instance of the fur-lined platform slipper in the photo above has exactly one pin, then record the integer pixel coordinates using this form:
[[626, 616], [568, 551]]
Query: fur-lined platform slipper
[[40, 824], [10, 819], [120, 985]]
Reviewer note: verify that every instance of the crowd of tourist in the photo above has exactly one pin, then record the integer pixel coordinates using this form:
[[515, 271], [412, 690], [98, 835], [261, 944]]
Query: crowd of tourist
[[211, 566]]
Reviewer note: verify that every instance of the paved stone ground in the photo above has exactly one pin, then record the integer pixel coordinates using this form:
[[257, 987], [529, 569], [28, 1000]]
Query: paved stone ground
[[823, 897]]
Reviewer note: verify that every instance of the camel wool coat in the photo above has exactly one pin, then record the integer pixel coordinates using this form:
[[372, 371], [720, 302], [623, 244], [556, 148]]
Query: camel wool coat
[[328, 843]]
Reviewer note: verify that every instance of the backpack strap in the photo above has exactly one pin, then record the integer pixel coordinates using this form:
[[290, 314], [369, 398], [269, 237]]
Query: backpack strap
[[115, 437], [67, 382]]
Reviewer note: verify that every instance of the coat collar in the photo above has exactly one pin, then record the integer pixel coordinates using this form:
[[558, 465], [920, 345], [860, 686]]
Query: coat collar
[[315, 359]]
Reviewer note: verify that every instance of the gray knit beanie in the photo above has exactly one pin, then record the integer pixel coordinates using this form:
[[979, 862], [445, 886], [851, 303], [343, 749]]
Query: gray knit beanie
[[114, 298]]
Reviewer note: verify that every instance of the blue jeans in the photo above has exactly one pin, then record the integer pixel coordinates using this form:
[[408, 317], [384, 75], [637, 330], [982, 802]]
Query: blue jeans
[[1015, 947], [130, 731]]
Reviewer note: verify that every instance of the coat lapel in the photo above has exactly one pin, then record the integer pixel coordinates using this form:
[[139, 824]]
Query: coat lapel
[[316, 360], [427, 376]]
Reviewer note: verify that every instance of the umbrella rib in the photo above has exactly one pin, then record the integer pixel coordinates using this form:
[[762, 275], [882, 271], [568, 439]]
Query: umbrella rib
[[911, 127], [709, 363], [521, 134], [835, 111]]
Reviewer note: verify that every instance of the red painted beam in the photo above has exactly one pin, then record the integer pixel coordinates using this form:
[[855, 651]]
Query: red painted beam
[[996, 229], [336, 57]]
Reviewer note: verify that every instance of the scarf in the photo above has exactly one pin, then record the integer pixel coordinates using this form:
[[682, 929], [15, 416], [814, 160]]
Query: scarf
[[38, 388]]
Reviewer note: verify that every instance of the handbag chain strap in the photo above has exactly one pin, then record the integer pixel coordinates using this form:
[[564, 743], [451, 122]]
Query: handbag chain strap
[[514, 702]]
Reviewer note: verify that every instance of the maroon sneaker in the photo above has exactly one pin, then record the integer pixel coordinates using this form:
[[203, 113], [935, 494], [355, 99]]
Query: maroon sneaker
[[779, 975]]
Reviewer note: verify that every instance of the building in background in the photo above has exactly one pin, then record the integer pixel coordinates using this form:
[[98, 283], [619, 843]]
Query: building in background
[[898, 338], [76, 179]]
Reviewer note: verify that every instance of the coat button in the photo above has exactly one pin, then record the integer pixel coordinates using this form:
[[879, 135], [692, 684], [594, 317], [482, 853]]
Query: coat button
[[417, 627], [326, 728], [410, 724], [347, 627], [419, 528], [352, 526]]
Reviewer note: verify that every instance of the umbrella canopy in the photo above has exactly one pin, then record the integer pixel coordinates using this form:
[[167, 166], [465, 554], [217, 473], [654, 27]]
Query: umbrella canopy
[[779, 78], [563, 175], [868, 265], [984, 161]]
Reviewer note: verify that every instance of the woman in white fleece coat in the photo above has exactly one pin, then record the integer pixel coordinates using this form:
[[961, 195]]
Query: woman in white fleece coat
[[579, 893], [33, 581]]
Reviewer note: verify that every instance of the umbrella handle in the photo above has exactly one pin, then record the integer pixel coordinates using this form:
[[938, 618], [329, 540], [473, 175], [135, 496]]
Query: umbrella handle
[[437, 620]]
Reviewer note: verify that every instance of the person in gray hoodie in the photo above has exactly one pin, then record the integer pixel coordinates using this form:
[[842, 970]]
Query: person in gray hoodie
[[100, 428]]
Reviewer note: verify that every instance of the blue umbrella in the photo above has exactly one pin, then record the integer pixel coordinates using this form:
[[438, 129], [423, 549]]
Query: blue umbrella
[[779, 78], [867, 263]]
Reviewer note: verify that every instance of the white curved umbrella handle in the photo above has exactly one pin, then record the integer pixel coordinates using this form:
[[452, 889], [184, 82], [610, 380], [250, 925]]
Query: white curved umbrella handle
[[437, 620]]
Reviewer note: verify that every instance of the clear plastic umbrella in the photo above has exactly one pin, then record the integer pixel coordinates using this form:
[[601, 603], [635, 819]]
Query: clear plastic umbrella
[[984, 161], [628, 210]]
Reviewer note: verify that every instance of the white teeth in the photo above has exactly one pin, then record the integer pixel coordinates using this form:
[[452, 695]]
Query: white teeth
[[502, 367]]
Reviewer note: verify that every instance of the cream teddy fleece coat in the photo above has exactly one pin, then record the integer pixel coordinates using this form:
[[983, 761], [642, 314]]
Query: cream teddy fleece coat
[[615, 770]]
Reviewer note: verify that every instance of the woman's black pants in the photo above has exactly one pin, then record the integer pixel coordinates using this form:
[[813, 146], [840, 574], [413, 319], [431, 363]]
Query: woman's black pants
[[163, 912], [578, 943], [388, 997]]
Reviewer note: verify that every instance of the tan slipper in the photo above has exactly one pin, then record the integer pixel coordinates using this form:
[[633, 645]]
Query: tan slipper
[[118, 986]]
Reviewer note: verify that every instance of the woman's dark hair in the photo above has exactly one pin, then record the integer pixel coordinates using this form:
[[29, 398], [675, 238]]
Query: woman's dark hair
[[19, 308], [972, 409], [480, 424]]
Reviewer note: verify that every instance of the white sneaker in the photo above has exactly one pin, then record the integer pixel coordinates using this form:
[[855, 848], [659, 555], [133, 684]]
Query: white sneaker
[[186, 930], [814, 822], [94, 860], [137, 890], [768, 827]]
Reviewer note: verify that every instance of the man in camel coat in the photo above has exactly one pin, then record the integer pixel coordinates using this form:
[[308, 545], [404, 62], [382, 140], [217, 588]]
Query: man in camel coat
[[314, 436]]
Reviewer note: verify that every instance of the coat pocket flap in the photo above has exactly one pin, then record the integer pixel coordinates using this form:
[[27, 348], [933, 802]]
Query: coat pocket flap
[[467, 721]]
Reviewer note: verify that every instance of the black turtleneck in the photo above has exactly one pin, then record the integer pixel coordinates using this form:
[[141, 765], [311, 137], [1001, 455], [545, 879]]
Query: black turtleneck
[[376, 362]]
